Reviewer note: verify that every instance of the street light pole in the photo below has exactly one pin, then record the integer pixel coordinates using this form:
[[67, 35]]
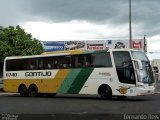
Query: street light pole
[[130, 26], [145, 44]]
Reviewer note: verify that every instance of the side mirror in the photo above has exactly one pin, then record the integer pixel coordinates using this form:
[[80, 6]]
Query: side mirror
[[138, 64]]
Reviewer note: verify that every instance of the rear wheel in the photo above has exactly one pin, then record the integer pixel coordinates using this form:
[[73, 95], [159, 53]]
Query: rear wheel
[[105, 92], [33, 91], [23, 90]]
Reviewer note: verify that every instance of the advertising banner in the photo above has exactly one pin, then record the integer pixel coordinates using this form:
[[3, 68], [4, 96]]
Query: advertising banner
[[96, 45], [117, 44], [138, 44], [74, 45], [50, 46]]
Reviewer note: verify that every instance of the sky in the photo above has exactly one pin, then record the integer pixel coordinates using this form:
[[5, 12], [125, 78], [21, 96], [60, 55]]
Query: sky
[[54, 20]]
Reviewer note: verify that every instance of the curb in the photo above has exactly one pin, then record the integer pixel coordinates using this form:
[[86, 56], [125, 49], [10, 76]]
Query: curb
[[157, 92], [8, 94]]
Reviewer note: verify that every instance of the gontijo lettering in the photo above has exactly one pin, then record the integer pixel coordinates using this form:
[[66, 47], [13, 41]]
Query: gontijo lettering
[[34, 74]]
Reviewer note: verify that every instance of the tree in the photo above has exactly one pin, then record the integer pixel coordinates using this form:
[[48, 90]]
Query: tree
[[14, 41]]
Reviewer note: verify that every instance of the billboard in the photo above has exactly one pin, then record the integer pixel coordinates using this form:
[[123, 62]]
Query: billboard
[[125, 44], [50, 46], [93, 45], [138, 44], [96, 45], [117, 44], [74, 45]]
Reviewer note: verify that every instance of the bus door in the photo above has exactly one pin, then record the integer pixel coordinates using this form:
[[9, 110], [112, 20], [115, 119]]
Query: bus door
[[124, 67]]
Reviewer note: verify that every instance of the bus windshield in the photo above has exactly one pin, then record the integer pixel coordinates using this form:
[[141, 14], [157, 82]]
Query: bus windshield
[[149, 78]]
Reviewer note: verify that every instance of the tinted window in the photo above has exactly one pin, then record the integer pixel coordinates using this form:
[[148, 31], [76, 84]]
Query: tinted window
[[32, 64], [77, 61], [60, 62], [65, 61], [102, 60], [45, 63], [124, 67], [21, 64], [120, 57]]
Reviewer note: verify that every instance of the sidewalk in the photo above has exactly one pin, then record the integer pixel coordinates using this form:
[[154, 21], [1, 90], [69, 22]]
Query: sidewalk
[[8, 94]]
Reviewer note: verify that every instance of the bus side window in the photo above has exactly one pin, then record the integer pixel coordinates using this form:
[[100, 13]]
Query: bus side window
[[87, 64], [79, 61], [101, 60], [32, 64], [78, 65], [49, 66], [47, 63], [73, 61], [58, 62], [66, 61], [55, 64], [32, 67], [40, 64], [87, 61]]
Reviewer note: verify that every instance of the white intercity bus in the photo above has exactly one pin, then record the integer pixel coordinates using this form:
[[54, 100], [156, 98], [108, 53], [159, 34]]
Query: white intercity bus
[[117, 72]]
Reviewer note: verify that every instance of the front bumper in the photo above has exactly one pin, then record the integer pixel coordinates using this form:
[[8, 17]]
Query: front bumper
[[145, 90]]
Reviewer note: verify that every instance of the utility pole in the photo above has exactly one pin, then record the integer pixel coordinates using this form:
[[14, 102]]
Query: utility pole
[[130, 26], [145, 44]]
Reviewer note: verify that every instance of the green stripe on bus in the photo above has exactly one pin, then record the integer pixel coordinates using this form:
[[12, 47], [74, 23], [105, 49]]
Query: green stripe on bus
[[69, 80], [80, 80], [88, 52]]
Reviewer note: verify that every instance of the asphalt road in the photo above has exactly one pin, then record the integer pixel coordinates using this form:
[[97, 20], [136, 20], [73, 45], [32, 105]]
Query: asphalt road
[[157, 86], [78, 105]]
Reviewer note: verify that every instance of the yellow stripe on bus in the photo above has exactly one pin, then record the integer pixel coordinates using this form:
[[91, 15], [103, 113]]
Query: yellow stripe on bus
[[12, 85], [68, 51], [44, 85]]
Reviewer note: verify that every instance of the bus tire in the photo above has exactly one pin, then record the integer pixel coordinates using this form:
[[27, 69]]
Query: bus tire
[[105, 92], [23, 90], [33, 91]]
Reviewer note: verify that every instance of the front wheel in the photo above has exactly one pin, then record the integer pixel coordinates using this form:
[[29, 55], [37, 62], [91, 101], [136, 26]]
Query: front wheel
[[105, 92]]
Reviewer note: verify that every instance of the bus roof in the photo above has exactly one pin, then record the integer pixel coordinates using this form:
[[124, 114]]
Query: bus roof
[[67, 52], [85, 51]]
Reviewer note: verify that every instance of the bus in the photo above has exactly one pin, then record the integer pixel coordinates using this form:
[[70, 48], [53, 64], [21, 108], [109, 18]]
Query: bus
[[108, 73]]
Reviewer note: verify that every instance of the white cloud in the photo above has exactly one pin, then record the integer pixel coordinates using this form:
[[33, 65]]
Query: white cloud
[[153, 43], [84, 30], [73, 30]]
